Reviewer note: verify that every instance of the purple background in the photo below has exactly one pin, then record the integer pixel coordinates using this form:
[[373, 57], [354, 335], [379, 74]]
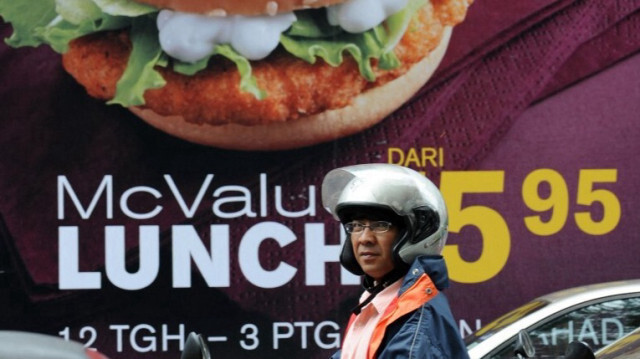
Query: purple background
[[524, 86]]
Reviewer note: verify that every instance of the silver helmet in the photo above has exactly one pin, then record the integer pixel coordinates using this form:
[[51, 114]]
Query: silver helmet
[[397, 190]]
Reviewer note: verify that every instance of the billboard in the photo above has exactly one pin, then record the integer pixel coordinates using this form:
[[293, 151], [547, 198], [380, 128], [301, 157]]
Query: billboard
[[125, 238]]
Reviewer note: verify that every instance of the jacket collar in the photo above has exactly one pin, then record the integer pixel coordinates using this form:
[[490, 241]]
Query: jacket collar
[[433, 265]]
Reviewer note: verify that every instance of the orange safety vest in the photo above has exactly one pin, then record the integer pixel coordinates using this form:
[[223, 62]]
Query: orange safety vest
[[413, 298]]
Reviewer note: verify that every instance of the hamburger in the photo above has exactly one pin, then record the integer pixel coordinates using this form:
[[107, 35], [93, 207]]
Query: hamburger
[[245, 75]]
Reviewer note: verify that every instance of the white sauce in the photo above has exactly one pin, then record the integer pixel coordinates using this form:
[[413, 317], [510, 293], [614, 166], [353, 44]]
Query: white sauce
[[357, 16], [192, 37]]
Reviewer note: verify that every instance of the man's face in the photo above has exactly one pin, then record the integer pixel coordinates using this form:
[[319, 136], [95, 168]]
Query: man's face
[[373, 251]]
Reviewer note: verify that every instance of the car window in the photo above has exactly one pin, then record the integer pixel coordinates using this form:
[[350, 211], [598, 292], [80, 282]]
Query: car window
[[627, 347], [513, 316], [597, 325]]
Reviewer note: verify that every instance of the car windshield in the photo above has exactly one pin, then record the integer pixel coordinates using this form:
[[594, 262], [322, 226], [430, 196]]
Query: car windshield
[[493, 327]]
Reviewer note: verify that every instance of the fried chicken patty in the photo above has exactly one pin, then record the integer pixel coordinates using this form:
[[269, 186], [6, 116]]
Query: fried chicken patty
[[294, 87]]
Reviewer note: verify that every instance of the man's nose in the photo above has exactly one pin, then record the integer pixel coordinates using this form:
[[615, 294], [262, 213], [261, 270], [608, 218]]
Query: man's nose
[[366, 236]]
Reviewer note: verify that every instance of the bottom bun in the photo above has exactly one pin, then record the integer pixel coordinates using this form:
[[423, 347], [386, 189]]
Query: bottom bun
[[366, 110]]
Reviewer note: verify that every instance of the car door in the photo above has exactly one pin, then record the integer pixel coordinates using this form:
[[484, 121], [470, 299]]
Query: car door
[[596, 323]]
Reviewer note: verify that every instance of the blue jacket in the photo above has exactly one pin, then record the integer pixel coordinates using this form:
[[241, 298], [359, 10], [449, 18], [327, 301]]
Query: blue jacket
[[419, 323]]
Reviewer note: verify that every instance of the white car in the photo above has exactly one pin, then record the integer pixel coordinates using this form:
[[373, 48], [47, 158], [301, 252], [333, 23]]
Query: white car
[[26, 345], [597, 314], [627, 347]]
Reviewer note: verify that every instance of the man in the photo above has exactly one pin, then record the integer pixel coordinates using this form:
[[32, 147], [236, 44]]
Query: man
[[396, 224]]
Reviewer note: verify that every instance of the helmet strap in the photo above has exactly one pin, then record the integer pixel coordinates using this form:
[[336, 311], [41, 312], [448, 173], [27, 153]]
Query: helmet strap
[[374, 287]]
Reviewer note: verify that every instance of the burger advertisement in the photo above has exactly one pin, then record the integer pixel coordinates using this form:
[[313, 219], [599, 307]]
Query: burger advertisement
[[162, 160]]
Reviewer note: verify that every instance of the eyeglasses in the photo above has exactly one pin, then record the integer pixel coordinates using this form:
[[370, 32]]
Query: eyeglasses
[[375, 227]]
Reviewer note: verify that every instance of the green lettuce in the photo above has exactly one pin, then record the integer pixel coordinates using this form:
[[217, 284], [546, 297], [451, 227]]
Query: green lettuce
[[140, 74], [312, 37], [78, 12], [398, 23], [27, 20], [124, 7], [57, 22], [362, 47], [248, 83]]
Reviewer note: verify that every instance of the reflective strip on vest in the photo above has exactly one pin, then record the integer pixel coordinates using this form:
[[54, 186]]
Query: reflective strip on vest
[[419, 293]]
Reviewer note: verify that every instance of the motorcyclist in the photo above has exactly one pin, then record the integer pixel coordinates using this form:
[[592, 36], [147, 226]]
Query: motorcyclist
[[396, 224]]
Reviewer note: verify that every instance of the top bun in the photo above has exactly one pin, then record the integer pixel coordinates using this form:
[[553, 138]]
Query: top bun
[[238, 7]]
